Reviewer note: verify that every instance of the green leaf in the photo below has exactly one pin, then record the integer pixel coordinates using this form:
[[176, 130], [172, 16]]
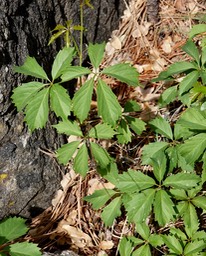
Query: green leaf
[[152, 150], [108, 106], [31, 68], [155, 240], [136, 124], [178, 233], [23, 94], [62, 61], [172, 154], [176, 68], [12, 228], [182, 180], [74, 72], [143, 230], [24, 249], [193, 119], [179, 194], [190, 220], [139, 206], [111, 211], [81, 161], [188, 82], [56, 35], [199, 201], [65, 153], [194, 247], [82, 100], [161, 126], [37, 110], [134, 181], [100, 155], [173, 244], [125, 247], [110, 172], [131, 106], [102, 131], [163, 208], [169, 95], [100, 197], [197, 29], [68, 127], [124, 73], [142, 250], [182, 132], [191, 49], [192, 149], [60, 101], [123, 133], [96, 53], [159, 166]]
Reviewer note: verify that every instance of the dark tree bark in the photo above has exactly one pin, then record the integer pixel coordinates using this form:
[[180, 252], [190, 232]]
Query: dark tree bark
[[28, 178]]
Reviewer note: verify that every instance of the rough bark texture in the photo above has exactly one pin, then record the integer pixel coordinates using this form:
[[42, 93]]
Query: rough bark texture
[[33, 177]]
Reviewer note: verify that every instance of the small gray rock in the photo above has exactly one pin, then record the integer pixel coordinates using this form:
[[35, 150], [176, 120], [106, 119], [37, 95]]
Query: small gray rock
[[60, 253]]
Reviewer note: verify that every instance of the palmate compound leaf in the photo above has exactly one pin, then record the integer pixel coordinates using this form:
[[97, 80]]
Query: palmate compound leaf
[[69, 128], [108, 106], [24, 249], [139, 206], [99, 198], [159, 166], [100, 155], [124, 73], [102, 131], [60, 101], [136, 124], [12, 228], [200, 202], [182, 180], [134, 181], [65, 153], [190, 219], [169, 95], [176, 68], [188, 82], [161, 126], [143, 230], [31, 68], [194, 247], [124, 134], [142, 250], [81, 161], [193, 148], [37, 110], [152, 150], [126, 246], [72, 72], [193, 119], [173, 244], [82, 100], [197, 29], [111, 211], [96, 53], [191, 49], [163, 208], [23, 94], [62, 61], [131, 106]]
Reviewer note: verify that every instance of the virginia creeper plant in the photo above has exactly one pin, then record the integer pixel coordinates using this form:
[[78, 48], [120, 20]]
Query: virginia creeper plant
[[173, 192]]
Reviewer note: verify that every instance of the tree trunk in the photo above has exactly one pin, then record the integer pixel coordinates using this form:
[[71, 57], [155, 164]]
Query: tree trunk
[[28, 178]]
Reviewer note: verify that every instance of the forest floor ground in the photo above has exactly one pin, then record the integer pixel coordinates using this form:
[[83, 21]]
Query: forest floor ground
[[151, 47]]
